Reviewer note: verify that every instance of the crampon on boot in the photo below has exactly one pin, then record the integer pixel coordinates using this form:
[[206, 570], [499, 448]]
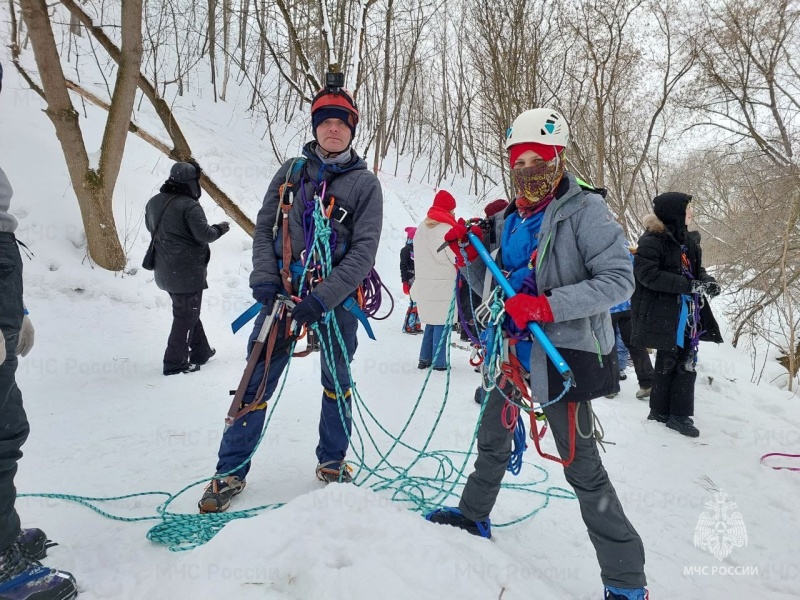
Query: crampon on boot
[[448, 515], [615, 593], [33, 543], [218, 493], [25, 579], [334, 472]]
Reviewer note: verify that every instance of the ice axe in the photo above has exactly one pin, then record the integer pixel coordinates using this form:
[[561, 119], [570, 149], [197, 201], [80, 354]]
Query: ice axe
[[553, 354], [268, 330]]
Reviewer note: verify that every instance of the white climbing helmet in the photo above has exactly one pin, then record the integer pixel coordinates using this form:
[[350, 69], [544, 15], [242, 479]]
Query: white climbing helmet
[[538, 125]]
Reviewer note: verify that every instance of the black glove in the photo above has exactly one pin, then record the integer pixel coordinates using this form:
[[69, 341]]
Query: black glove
[[222, 228], [707, 288], [310, 310], [265, 293]]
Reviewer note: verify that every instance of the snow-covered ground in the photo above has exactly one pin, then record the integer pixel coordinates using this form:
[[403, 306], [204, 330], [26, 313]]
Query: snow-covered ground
[[105, 422]]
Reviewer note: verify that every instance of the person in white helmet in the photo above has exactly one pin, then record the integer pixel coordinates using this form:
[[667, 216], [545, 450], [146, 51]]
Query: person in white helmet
[[565, 256]]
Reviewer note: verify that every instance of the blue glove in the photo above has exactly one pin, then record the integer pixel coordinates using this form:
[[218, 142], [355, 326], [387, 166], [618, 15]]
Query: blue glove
[[310, 310], [265, 293]]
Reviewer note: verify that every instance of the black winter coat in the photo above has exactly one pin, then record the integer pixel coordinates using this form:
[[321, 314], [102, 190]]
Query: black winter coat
[[407, 264], [655, 305], [181, 243]]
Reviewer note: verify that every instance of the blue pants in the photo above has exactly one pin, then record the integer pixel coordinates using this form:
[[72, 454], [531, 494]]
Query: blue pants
[[240, 439], [431, 342], [622, 350]]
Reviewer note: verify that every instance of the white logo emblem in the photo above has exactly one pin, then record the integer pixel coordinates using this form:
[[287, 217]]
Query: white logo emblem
[[721, 529]]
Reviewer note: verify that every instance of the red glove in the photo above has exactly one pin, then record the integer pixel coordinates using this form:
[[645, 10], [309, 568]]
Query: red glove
[[458, 233], [406, 289], [524, 308], [472, 254]]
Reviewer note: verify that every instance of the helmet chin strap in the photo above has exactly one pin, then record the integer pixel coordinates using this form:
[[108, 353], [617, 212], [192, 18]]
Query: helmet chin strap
[[555, 170]]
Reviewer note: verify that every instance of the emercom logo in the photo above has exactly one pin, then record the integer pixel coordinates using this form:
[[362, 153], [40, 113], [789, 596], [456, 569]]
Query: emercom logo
[[720, 528]]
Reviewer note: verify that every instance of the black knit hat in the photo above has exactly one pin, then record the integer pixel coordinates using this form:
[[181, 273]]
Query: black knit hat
[[670, 208]]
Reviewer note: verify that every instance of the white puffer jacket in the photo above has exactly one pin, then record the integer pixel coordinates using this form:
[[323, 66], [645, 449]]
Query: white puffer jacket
[[435, 273]]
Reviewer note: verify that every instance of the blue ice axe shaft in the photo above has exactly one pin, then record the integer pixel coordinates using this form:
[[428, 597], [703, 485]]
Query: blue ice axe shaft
[[533, 327]]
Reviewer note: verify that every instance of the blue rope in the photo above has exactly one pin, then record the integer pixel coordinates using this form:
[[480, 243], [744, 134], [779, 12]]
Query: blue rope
[[518, 448]]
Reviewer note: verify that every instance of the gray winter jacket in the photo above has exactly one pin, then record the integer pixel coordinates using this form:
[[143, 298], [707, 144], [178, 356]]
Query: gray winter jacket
[[8, 223], [584, 269], [357, 191]]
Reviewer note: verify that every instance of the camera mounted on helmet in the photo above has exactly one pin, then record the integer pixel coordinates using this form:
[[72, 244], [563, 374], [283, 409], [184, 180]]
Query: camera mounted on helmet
[[334, 101], [334, 81]]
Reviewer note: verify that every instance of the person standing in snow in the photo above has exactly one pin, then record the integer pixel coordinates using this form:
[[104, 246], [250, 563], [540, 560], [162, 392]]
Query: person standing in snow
[[622, 324], [564, 254], [669, 308], [180, 238], [331, 173], [473, 274], [21, 576], [435, 280], [411, 323]]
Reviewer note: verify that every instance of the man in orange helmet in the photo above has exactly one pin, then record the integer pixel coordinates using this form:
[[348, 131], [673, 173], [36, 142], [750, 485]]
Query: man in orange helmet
[[331, 173]]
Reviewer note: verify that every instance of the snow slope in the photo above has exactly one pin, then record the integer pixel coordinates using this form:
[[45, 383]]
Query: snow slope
[[105, 422]]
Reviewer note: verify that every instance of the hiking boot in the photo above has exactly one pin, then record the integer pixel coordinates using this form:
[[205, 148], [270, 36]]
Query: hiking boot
[[480, 394], [610, 396], [683, 425], [423, 364], [33, 543], [448, 515], [25, 579], [218, 493], [206, 359], [188, 368], [623, 375], [615, 593], [643, 393], [334, 472], [654, 416]]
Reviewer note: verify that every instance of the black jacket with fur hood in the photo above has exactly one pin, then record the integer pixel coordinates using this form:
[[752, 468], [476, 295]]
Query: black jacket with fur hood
[[655, 305]]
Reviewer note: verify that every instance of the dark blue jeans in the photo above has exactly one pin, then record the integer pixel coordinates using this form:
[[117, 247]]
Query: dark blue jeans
[[13, 422], [240, 439], [431, 342]]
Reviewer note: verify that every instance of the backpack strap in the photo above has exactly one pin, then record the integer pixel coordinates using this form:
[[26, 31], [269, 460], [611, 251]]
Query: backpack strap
[[590, 188], [286, 200]]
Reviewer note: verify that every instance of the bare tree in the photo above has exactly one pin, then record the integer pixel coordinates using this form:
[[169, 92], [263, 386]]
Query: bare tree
[[93, 184], [748, 92]]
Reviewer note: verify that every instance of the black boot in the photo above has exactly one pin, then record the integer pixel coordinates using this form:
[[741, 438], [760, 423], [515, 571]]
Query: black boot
[[218, 494], [33, 543], [187, 368], [24, 579], [654, 416], [447, 515], [334, 472], [683, 425]]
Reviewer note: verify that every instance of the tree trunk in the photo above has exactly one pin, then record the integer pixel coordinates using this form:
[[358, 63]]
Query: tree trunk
[[381, 135], [181, 150], [212, 43], [243, 32], [227, 9], [92, 192]]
